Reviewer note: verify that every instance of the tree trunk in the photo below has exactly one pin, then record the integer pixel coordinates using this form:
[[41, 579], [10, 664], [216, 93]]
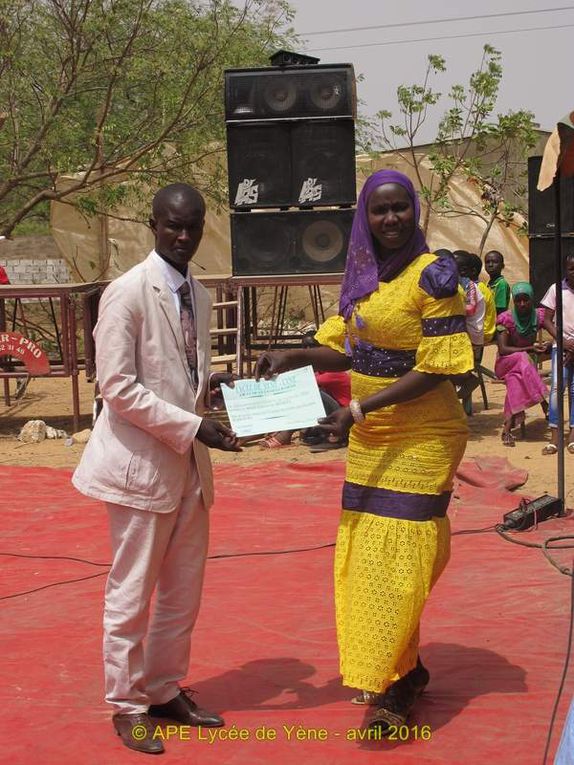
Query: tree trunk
[[489, 226]]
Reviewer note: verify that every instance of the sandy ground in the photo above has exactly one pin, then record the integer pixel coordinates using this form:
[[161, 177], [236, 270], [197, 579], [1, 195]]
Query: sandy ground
[[51, 401]]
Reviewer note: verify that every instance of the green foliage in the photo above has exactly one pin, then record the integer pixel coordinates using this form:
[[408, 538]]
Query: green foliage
[[489, 150], [115, 89]]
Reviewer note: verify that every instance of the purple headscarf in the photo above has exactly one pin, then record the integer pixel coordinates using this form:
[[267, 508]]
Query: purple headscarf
[[364, 270]]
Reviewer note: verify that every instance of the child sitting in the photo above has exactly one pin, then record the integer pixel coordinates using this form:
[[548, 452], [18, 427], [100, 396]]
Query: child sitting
[[517, 339]]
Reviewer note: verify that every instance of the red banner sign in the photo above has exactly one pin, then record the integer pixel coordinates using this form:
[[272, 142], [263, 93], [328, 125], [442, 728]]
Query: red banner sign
[[21, 348]]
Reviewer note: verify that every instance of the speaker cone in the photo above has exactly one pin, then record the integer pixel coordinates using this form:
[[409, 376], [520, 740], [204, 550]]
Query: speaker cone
[[269, 243], [322, 241], [326, 92], [280, 95]]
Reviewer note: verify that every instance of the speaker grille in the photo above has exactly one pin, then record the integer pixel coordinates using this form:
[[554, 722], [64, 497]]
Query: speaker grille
[[541, 203], [304, 164], [542, 272], [310, 91], [294, 242], [259, 165], [323, 163]]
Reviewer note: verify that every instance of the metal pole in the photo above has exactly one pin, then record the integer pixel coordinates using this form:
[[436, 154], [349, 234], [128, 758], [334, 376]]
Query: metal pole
[[559, 340]]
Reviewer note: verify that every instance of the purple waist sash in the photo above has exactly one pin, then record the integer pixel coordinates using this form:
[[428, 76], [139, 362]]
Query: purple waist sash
[[382, 362], [403, 506]]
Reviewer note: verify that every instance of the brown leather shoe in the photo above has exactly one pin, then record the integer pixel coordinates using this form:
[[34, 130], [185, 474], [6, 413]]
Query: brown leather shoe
[[137, 732], [183, 710]]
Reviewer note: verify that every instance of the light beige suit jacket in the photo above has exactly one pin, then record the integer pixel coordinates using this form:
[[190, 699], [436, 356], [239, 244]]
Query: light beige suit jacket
[[140, 449]]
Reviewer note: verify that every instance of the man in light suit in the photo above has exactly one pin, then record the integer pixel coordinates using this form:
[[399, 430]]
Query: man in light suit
[[148, 460]]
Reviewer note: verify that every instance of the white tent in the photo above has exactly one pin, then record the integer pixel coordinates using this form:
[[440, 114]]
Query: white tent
[[97, 248]]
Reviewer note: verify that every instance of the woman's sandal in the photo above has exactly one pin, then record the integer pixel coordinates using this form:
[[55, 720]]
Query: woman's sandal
[[395, 704], [508, 439], [272, 442], [550, 449], [394, 707]]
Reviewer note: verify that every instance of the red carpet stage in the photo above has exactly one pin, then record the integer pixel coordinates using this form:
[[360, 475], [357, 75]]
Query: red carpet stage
[[264, 650]]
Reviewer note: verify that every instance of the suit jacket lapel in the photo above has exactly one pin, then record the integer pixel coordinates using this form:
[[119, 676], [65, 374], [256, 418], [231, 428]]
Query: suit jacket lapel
[[167, 307]]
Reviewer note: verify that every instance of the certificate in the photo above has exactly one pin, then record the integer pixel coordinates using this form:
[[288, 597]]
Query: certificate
[[286, 402]]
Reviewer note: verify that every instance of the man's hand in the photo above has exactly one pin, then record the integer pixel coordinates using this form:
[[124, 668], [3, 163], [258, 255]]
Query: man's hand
[[218, 436], [217, 379], [338, 423]]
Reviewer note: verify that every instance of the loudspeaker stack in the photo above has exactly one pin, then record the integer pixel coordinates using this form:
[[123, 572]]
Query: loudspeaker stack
[[541, 225], [291, 166]]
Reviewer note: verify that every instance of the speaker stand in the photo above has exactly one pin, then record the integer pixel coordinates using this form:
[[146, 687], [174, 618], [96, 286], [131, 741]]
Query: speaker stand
[[277, 327], [277, 334]]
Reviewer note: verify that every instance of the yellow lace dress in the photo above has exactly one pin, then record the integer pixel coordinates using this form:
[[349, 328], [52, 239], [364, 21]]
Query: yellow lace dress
[[394, 537]]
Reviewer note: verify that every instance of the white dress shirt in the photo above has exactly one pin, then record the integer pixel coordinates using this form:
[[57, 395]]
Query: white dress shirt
[[174, 280]]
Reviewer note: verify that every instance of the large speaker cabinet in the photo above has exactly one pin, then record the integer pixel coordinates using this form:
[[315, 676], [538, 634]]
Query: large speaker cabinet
[[290, 144]]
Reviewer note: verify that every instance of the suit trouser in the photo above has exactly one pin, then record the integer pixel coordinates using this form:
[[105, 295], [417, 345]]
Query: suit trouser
[[164, 552]]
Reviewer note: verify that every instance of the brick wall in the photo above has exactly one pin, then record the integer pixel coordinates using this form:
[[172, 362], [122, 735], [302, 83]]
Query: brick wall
[[37, 271], [33, 260]]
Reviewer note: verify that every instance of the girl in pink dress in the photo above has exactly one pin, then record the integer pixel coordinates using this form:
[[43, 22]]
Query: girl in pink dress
[[516, 336]]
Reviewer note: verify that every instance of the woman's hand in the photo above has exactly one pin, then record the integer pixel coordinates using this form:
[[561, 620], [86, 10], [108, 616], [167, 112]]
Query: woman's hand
[[338, 423], [542, 347], [273, 363]]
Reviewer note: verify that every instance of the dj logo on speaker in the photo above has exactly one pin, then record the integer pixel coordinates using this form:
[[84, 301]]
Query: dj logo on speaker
[[311, 191], [247, 192]]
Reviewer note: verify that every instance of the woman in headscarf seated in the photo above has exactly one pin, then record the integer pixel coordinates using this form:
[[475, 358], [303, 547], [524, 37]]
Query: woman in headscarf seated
[[401, 330], [516, 333]]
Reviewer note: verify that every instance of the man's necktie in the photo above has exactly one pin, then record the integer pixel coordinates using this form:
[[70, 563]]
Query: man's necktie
[[188, 328]]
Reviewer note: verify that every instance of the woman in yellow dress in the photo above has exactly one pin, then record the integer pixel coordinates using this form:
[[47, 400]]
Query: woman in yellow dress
[[401, 330]]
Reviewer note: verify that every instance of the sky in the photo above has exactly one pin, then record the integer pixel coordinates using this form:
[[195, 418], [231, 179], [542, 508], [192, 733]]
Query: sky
[[536, 48]]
